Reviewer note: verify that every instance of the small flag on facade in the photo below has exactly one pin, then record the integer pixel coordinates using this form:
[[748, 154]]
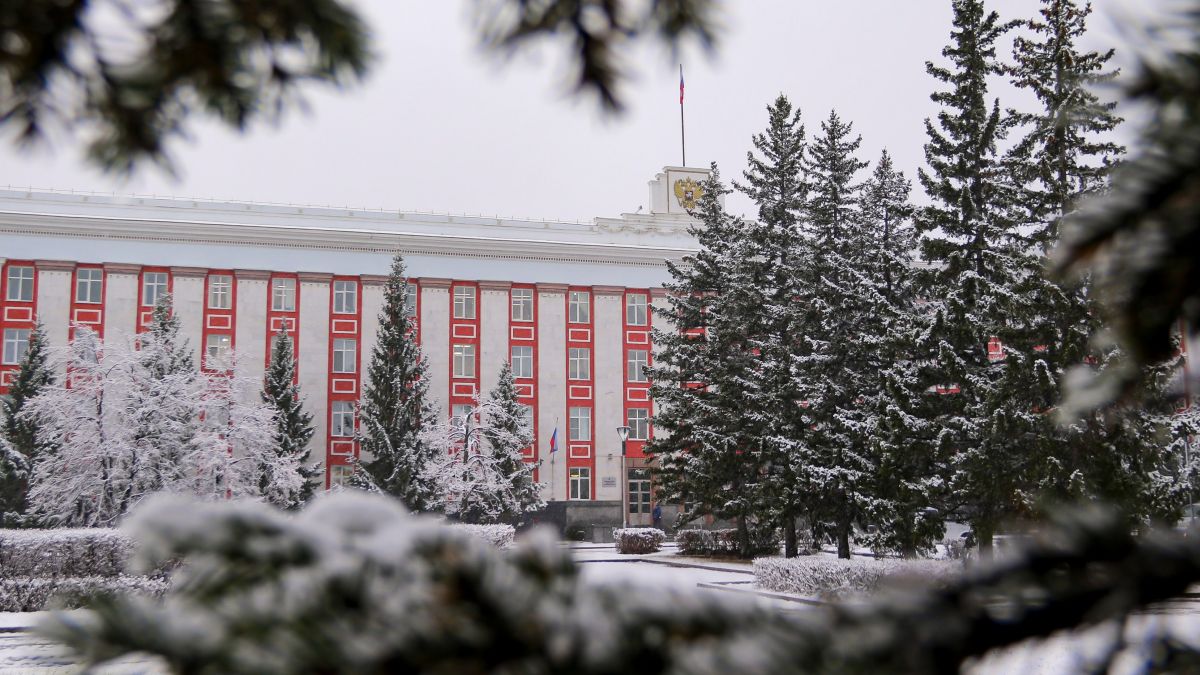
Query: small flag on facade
[[554, 441], [681, 84]]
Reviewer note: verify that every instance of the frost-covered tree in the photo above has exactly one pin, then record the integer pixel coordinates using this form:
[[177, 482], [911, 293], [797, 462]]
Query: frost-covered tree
[[161, 391], [396, 408], [85, 480], [210, 435], [293, 425], [484, 477], [19, 433], [706, 445], [976, 256]]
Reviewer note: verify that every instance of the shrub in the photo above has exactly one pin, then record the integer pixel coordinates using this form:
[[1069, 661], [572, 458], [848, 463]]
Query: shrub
[[33, 594], [500, 536], [694, 542], [638, 539], [724, 542], [834, 578], [63, 553], [576, 533]]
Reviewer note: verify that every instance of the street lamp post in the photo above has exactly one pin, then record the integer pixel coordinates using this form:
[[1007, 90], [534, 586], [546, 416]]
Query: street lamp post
[[623, 434]]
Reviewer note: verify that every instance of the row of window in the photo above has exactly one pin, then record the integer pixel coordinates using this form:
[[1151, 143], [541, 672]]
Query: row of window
[[579, 362], [89, 284], [578, 305]]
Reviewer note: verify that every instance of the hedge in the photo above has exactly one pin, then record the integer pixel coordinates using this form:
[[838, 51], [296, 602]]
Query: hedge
[[500, 536], [638, 539], [827, 577], [63, 553]]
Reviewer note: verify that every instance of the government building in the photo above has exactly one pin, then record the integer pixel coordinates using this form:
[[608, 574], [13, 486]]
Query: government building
[[568, 304]]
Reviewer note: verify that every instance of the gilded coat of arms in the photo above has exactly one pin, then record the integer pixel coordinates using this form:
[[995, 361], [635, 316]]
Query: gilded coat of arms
[[688, 192]]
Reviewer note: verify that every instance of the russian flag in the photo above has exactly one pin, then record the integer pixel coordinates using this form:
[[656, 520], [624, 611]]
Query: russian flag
[[681, 84], [554, 441]]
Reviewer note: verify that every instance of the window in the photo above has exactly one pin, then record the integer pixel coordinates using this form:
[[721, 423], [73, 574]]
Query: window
[[581, 424], [459, 413], [522, 362], [283, 295], [16, 344], [342, 419], [638, 420], [581, 483], [20, 283], [339, 475], [89, 285], [635, 309], [216, 347], [410, 299], [639, 490], [464, 361], [522, 304], [154, 286], [579, 363], [344, 353], [578, 308], [636, 361], [464, 302], [527, 416], [345, 297], [220, 291]]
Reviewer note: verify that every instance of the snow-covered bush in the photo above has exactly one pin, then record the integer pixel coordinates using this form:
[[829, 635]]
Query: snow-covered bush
[[500, 536], [834, 578], [956, 548], [355, 584], [33, 594], [92, 552], [721, 542], [694, 542], [638, 539]]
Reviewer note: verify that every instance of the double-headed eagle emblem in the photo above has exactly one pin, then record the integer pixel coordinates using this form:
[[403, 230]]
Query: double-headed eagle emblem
[[688, 192]]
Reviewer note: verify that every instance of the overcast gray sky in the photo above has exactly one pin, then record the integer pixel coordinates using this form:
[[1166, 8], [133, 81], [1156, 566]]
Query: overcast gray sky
[[441, 126]]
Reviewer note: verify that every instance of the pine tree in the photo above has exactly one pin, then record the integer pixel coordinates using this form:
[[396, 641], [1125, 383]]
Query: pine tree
[[765, 303], [293, 425], [846, 321], [396, 406], [706, 447], [976, 256], [19, 434], [164, 402], [907, 478], [1064, 156], [486, 479]]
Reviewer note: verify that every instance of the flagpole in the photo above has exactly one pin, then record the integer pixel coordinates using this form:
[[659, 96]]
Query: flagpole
[[682, 135]]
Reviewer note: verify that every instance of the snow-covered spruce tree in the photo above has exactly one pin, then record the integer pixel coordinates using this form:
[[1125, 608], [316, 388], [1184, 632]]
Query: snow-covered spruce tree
[[907, 476], [977, 258], [1064, 156], [706, 447], [765, 301], [293, 425], [19, 433], [845, 320], [396, 407], [483, 479], [162, 394], [85, 476]]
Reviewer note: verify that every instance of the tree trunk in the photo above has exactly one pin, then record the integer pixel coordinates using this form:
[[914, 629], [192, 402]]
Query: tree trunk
[[744, 537], [790, 549], [843, 536], [983, 539]]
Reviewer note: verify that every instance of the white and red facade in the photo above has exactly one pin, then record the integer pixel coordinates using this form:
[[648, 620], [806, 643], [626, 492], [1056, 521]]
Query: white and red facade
[[568, 304]]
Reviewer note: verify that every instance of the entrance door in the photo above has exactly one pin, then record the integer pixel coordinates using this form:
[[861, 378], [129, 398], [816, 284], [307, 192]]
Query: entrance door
[[639, 497]]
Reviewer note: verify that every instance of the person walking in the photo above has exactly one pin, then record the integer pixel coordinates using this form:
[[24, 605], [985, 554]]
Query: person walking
[[656, 516]]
